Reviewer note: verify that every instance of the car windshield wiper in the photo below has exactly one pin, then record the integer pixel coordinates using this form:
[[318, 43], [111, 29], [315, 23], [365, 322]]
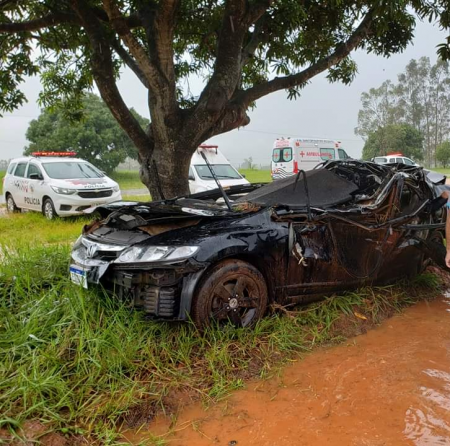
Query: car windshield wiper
[[228, 176], [224, 195]]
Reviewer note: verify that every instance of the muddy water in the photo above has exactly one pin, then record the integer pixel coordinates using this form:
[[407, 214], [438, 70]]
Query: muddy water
[[388, 387]]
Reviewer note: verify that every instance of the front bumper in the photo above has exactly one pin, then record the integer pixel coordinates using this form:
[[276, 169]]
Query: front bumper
[[162, 291], [66, 205]]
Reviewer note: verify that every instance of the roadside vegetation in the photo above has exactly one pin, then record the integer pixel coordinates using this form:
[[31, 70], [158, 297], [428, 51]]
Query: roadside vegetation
[[33, 229], [84, 366]]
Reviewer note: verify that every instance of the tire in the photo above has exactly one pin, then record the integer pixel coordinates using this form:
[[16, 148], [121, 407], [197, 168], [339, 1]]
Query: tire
[[232, 291], [11, 204], [48, 209]]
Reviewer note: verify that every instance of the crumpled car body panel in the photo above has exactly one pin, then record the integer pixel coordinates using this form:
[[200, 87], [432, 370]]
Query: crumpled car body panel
[[384, 223]]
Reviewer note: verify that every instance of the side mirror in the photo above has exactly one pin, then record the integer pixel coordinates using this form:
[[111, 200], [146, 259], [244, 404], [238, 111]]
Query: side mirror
[[36, 176], [191, 178]]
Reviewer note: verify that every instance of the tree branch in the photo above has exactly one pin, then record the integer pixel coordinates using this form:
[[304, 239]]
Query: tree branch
[[37, 24], [103, 72], [281, 83], [138, 52], [130, 62], [255, 40]]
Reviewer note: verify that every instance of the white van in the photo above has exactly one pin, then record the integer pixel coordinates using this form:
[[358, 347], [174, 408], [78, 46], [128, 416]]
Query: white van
[[200, 178], [392, 158], [56, 184], [293, 154]]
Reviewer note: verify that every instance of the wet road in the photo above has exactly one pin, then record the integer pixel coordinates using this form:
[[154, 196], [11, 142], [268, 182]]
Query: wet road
[[388, 387]]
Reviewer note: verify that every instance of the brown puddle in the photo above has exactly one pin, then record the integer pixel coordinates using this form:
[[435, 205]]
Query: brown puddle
[[388, 387]]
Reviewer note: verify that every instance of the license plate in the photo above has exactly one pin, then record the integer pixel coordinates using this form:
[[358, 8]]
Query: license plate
[[78, 276]]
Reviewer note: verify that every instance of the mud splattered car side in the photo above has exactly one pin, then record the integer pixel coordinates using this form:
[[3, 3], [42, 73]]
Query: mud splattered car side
[[343, 225]]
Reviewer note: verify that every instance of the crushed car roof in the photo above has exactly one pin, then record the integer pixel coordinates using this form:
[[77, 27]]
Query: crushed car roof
[[325, 189]]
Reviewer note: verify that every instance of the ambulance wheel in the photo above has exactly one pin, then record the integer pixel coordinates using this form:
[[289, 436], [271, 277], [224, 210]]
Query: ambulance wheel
[[11, 204], [48, 209]]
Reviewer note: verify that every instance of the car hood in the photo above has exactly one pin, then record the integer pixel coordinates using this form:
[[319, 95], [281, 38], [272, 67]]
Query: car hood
[[85, 183]]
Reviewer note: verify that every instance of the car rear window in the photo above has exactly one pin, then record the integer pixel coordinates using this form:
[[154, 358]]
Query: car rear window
[[20, 170], [380, 160], [70, 170], [282, 155]]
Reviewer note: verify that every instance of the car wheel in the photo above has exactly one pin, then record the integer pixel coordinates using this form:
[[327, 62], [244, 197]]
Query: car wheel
[[48, 209], [232, 291], [11, 204]]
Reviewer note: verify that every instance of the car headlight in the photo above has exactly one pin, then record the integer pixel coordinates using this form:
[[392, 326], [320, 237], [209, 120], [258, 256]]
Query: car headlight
[[155, 253], [63, 190], [77, 244], [116, 188]]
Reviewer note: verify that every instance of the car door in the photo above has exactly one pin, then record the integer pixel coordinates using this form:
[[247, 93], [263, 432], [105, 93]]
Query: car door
[[334, 256], [19, 184], [35, 187]]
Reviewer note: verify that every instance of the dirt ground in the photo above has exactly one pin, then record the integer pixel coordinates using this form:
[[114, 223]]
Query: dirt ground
[[390, 386]]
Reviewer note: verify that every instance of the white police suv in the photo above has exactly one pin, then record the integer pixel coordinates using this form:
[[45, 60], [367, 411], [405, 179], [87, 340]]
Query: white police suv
[[56, 184]]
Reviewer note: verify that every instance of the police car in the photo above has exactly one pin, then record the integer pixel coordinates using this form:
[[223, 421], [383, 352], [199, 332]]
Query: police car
[[56, 184]]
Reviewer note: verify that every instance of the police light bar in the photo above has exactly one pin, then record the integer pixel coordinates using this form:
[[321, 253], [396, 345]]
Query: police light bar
[[207, 147], [53, 153], [394, 154]]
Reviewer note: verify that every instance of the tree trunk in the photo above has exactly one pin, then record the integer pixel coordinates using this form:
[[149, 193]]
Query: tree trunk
[[165, 173]]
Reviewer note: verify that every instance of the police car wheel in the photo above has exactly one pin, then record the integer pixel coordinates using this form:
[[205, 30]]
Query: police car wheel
[[11, 204], [48, 209]]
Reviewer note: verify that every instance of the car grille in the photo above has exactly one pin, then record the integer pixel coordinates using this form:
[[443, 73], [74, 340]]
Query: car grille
[[93, 250], [95, 193]]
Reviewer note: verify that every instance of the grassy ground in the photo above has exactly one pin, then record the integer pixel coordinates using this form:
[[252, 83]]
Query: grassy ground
[[144, 197], [256, 176], [445, 171], [84, 365], [34, 229], [127, 179]]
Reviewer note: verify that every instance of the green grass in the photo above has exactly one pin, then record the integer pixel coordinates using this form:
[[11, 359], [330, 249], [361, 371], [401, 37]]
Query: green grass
[[256, 176], [145, 197], [34, 229], [127, 179], [80, 362], [445, 171]]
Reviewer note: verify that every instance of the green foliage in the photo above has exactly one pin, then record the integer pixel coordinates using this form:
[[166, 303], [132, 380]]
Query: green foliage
[[293, 35], [80, 360], [401, 138], [96, 138], [443, 153]]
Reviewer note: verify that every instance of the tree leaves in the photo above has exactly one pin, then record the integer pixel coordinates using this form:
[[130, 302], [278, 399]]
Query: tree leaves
[[96, 137]]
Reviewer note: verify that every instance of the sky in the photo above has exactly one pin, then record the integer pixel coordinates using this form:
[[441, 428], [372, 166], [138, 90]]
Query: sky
[[323, 110]]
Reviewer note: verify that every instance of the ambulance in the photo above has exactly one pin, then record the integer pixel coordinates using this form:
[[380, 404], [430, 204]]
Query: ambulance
[[56, 184], [290, 155], [200, 178]]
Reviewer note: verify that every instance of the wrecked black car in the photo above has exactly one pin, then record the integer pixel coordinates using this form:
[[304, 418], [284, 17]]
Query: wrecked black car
[[202, 257]]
